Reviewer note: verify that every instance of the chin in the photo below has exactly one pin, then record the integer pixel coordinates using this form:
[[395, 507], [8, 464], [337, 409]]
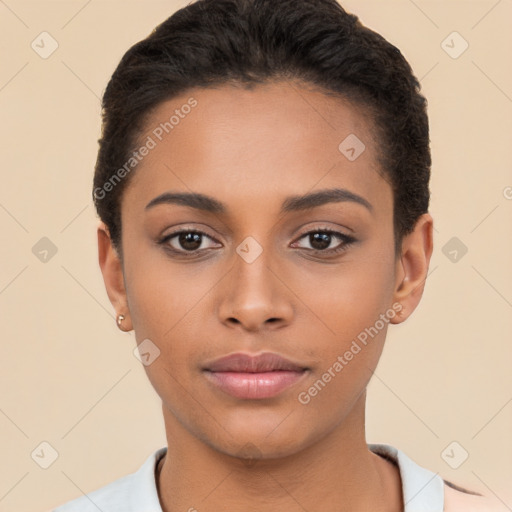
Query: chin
[[256, 442]]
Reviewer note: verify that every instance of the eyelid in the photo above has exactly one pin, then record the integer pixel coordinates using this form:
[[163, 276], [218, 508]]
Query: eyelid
[[345, 241], [165, 238], [324, 228]]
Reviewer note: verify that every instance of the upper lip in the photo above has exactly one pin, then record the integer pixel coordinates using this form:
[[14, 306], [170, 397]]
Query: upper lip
[[247, 363]]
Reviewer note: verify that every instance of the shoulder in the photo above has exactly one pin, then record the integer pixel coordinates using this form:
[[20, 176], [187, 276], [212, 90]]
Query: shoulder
[[112, 496], [134, 492], [459, 501]]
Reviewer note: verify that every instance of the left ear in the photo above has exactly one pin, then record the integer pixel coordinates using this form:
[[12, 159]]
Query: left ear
[[412, 267]]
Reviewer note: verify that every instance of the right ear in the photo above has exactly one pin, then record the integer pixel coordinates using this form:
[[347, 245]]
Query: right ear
[[112, 271]]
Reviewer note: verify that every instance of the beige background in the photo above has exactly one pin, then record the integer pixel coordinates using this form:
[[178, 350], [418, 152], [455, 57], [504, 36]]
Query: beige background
[[69, 377]]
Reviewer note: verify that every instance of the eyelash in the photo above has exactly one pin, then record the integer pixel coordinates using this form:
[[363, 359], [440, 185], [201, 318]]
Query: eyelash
[[347, 241]]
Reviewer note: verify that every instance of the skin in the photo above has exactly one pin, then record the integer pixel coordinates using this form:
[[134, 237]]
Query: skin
[[251, 149]]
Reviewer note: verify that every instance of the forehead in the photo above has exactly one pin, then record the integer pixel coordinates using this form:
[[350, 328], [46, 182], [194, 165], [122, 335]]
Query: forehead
[[243, 146]]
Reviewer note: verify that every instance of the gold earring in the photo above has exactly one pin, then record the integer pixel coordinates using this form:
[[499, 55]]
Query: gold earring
[[119, 320]]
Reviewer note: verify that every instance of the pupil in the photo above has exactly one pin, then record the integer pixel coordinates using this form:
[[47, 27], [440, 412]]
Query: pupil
[[320, 240], [190, 241]]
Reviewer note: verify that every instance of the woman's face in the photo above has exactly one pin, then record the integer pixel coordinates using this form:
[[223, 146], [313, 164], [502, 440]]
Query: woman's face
[[265, 275]]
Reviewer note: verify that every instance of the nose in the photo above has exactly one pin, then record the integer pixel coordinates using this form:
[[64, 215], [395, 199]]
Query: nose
[[255, 296]]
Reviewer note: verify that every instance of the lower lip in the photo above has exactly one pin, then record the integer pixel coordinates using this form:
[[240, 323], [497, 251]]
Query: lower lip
[[254, 385]]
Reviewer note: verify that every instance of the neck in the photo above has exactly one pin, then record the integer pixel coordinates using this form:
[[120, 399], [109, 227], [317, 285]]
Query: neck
[[337, 473]]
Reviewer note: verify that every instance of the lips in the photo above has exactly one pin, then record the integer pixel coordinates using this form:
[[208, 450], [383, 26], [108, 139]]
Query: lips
[[246, 363], [254, 377]]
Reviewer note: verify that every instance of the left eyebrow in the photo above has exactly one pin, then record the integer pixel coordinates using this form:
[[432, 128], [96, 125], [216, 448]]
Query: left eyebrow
[[315, 199], [290, 204]]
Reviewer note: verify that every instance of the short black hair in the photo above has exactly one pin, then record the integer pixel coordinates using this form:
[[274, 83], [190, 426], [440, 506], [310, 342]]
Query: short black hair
[[249, 42]]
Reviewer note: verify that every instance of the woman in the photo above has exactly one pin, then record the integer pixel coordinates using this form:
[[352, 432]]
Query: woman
[[263, 186]]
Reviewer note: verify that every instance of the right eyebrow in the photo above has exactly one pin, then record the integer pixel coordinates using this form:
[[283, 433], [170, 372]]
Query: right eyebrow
[[190, 199]]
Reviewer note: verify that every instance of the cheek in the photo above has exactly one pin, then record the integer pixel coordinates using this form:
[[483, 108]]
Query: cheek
[[161, 295], [345, 299], [354, 314], [167, 306], [162, 305], [352, 310]]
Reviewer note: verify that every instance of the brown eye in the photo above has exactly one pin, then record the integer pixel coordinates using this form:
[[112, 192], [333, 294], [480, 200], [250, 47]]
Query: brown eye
[[320, 241], [188, 241]]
